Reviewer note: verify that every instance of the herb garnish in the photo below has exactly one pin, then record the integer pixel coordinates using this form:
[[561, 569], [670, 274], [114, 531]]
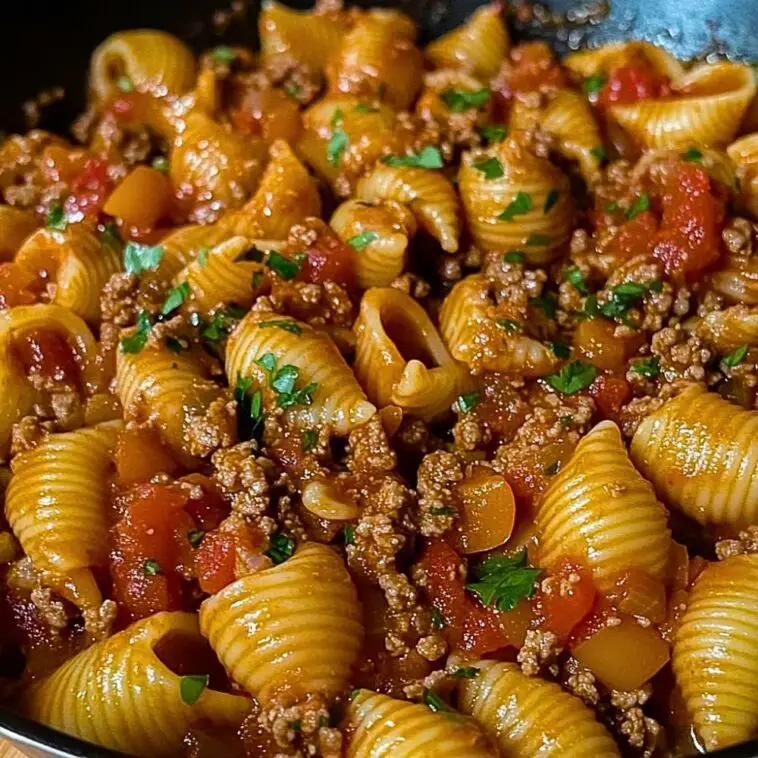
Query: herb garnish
[[572, 378], [520, 205], [281, 547], [502, 581], [459, 101], [429, 157]]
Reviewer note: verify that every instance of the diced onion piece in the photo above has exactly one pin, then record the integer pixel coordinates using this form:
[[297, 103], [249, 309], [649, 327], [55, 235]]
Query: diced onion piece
[[638, 594]]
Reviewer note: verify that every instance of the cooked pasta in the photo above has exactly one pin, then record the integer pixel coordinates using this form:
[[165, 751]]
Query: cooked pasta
[[144, 713], [15, 226], [289, 630], [744, 154], [698, 451], [731, 328], [181, 247]]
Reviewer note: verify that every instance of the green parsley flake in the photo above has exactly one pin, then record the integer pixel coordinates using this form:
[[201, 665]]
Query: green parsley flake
[[151, 567], [435, 702], [136, 341], [195, 537], [442, 511], [348, 534], [510, 326], [286, 325], [649, 367], [310, 440], [56, 218], [502, 581], [572, 378], [459, 101], [282, 546], [574, 275], [192, 686], [124, 84], [735, 357], [223, 54], [139, 258], [160, 164], [465, 672], [640, 205], [514, 256], [493, 132], [111, 236], [365, 108], [551, 200], [438, 620], [566, 420], [519, 206], [292, 90], [217, 329], [202, 256], [546, 304], [285, 268], [623, 297], [338, 141], [693, 155], [594, 84], [363, 240], [560, 350], [283, 380], [429, 157], [176, 296], [599, 153], [468, 401], [491, 168]]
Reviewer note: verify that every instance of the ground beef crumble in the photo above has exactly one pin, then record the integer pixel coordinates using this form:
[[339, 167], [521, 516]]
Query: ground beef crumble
[[745, 544], [437, 504]]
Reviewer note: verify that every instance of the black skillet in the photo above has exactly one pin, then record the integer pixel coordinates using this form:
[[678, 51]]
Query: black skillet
[[45, 43]]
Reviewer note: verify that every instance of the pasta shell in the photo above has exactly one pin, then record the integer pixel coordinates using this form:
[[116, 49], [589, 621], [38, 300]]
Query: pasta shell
[[744, 153], [468, 324], [601, 59], [288, 631], [380, 234], [338, 401], [76, 261], [700, 452], [707, 108], [152, 60], [182, 246], [540, 221], [401, 359], [529, 716], [429, 194], [119, 694], [15, 226], [326, 501], [383, 727], [738, 279], [731, 328], [477, 47], [600, 510], [715, 656], [432, 105]]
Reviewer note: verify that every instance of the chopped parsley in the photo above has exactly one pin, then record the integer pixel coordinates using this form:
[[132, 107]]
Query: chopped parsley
[[221, 324], [151, 567], [250, 405], [56, 218], [510, 326], [491, 168], [468, 401], [175, 298], [599, 153], [365, 108], [560, 350], [611, 207], [443, 511], [501, 582], [292, 90], [348, 534], [435, 702], [338, 141], [310, 440], [459, 101], [139, 258], [574, 275], [465, 672], [286, 325], [573, 377], [520, 205], [593, 84], [135, 342], [514, 256], [623, 297], [286, 268], [124, 84], [693, 155], [192, 686], [223, 54], [282, 380], [493, 132], [195, 537], [430, 157], [551, 200], [649, 367], [160, 163], [566, 420], [202, 256], [546, 304], [281, 547], [538, 240], [177, 344], [110, 235], [363, 240], [640, 205], [735, 357], [553, 468], [438, 620]]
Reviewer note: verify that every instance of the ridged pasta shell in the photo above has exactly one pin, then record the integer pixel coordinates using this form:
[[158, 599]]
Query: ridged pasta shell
[[338, 400], [120, 695], [707, 108], [529, 716], [76, 261], [381, 260], [326, 501], [731, 328], [599, 510], [738, 279], [15, 226], [744, 153], [476, 47], [535, 232], [290, 630], [594, 61], [468, 324], [701, 453], [429, 194], [286, 195], [715, 655], [152, 60], [383, 727], [182, 246], [401, 359]]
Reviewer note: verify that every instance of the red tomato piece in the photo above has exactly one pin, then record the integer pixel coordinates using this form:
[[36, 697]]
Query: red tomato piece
[[562, 611], [209, 508], [47, 353], [214, 561], [635, 237], [329, 259], [633, 81], [532, 67], [610, 393], [90, 189]]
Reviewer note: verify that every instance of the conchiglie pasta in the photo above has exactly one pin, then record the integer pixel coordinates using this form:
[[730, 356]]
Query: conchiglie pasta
[[528, 208], [529, 716], [701, 453], [175, 394], [15, 226], [401, 359], [288, 631], [57, 505], [337, 400], [429, 194], [121, 695], [182, 246], [599, 510], [383, 727], [715, 655], [380, 235], [604, 58], [432, 105], [744, 154], [477, 47], [731, 328], [737, 279], [469, 326], [76, 261], [153, 61]]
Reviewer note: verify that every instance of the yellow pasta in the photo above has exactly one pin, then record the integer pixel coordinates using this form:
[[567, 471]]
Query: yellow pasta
[[744, 154], [429, 194], [337, 399], [57, 505], [152, 61], [737, 279], [182, 246], [174, 393], [383, 727], [528, 208], [288, 631], [700, 452], [477, 47], [76, 261], [15, 226], [378, 57], [307, 37], [286, 195], [602, 59], [432, 105], [380, 235], [731, 328], [529, 716], [601, 511], [401, 359], [715, 655], [121, 695], [476, 334]]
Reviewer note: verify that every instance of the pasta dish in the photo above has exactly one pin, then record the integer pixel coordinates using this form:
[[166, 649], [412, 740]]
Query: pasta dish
[[365, 399]]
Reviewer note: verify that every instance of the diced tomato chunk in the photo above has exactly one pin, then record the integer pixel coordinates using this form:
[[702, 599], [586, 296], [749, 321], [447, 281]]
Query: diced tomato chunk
[[18, 286], [532, 67], [570, 599], [205, 504], [329, 259], [610, 393], [214, 561], [46, 353], [637, 80], [635, 237], [90, 189]]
